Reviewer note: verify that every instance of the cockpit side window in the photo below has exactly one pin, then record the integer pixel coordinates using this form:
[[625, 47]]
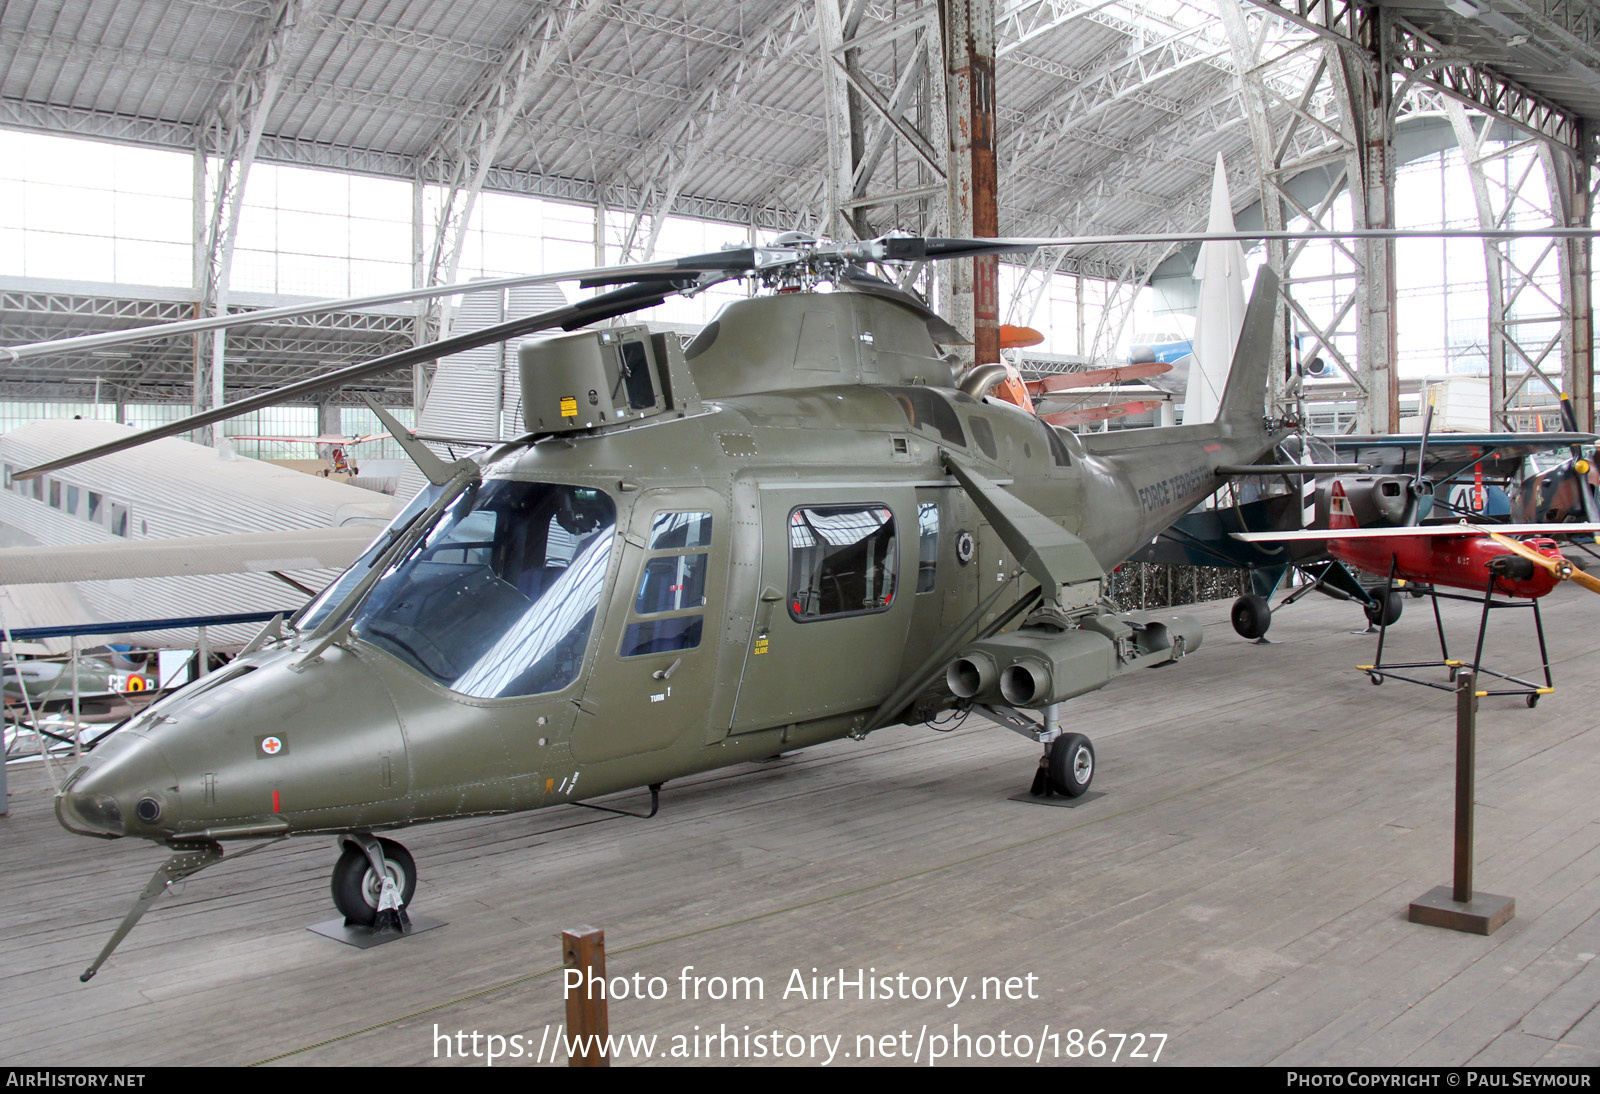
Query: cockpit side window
[[669, 608]]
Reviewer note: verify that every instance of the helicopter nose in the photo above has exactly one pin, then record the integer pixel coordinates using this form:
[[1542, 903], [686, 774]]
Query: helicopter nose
[[126, 787]]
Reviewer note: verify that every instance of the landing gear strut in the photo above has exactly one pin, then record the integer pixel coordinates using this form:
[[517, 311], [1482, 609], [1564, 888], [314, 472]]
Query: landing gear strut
[[1067, 766]]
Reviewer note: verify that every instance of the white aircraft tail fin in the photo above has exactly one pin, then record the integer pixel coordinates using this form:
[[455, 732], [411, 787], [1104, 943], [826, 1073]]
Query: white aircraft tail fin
[[1219, 315]]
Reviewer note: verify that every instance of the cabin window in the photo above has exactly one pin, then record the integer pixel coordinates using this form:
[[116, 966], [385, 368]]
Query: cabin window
[[498, 597], [984, 435], [841, 560], [97, 508], [72, 500], [1058, 448], [54, 486], [10, 470], [662, 636], [927, 545], [672, 586], [119, 520], [926, 409]]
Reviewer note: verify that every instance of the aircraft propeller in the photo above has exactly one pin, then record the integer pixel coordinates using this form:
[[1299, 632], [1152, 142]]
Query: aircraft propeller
[[1561, 567]]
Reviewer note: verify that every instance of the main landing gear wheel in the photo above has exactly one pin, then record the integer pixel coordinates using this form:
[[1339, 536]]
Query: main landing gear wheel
[[356, 887], [1071, 764], [1386, 612], [1252, 615]]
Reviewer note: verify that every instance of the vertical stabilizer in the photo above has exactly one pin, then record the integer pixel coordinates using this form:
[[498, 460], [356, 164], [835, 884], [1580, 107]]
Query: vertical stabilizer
[[1244, 400], [1220, 312]]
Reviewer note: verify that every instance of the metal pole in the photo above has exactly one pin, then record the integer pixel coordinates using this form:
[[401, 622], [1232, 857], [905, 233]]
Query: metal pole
[[1456, 906], [587, 1022], [5, 755], [1466, 748], [77, 724]]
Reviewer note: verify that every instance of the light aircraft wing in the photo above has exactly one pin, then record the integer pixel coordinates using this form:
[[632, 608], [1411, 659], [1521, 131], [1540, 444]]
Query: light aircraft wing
[[250, 552], [1416, 530], [1451, 453]]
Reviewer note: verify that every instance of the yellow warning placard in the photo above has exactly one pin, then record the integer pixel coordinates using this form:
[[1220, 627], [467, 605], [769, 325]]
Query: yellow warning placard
[[569, 407]]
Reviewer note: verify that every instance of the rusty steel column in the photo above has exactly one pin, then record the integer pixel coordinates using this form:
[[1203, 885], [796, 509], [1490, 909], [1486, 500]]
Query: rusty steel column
[[588, 1023], [968, 28]]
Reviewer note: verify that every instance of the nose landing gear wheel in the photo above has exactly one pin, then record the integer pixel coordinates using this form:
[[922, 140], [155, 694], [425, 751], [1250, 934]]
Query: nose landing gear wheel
[[357, 888], [1071, 764]]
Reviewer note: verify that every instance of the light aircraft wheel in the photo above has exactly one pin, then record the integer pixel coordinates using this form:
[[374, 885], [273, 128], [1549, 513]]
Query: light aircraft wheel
[[1533, 700], [356, 886], [1252, 615], [1386, 612], [1071, 764], [1375, 677]]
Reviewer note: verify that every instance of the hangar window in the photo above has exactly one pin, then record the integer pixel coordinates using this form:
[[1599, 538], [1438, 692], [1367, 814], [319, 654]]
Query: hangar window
[[841, 560]]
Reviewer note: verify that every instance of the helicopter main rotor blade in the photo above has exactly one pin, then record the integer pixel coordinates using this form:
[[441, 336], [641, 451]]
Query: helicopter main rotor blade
[[755, 260], [1022, 243], [665, 271], [569, 317]]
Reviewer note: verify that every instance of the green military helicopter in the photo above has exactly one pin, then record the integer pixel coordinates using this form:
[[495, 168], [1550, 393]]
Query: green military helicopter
[[799, 527]]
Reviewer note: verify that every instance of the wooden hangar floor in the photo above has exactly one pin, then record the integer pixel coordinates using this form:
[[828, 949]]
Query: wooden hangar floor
[[1240, 888]]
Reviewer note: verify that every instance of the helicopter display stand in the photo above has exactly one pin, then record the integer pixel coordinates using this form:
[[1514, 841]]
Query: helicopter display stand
[[365, 938], [1531, 690], [1455, 906]]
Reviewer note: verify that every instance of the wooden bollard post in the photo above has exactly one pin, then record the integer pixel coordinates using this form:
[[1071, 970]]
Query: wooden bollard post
[[1456, 906], [587, 1022]]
